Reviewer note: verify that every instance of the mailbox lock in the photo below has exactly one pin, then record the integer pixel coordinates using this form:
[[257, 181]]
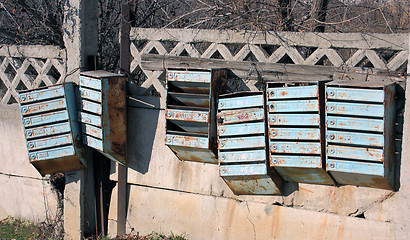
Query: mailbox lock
[[30, 145], [273, 119], [169, 114], [332, 151], [223, 157], [33, 156], [170, 75], [221, 104], [222, 144], [331, 93], [29, 133], [272, 93], [25, 110], [22, 98], [275, 161], [27, 121], [169, 140], [223, 170], [274, 134], [331, 136], [222, 130], [332, 165], [274, 147], [332, 122]]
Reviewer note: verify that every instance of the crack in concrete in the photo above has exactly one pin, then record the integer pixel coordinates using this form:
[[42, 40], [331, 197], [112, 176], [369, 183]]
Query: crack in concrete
[[360, 212], [253, 225]]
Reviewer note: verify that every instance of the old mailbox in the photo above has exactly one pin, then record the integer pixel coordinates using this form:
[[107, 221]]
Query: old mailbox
[[360, 118], [296, 131], [103, 113], [191, 101], [51, 128], [242, 144]]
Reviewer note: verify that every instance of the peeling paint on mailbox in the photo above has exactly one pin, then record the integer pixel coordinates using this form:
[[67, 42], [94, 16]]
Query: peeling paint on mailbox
[[103, 113], [49, 116], [360, 120], [242, 144], [191, 101], [296, 131]]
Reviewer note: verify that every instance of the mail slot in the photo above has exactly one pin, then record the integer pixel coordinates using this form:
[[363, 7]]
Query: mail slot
[[103, 113], [51, 129], [296, 131], [242, 144], [360, 120], [191, 103]]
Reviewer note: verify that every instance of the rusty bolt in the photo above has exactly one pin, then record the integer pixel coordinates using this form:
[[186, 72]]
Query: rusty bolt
[[274, 147], [222, 157], [331, 93], [22, 98], [30, 145], [332, 165], [272, 93], [332, 151], [332, 137], [33, 156], [332, 122]]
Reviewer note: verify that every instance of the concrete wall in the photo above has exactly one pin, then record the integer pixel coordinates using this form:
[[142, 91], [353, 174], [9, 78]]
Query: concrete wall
[[166, 194], [24, 193]]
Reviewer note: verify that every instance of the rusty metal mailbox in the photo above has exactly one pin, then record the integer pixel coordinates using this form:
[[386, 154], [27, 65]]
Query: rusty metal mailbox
[[51, 129], [360, 118], [191, 101], [296, 113], [103, 113], [242, 144]]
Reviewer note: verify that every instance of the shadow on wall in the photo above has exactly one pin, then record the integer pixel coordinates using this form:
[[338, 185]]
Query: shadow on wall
[[141, 131]]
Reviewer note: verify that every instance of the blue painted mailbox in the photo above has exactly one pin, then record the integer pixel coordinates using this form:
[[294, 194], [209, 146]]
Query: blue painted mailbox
[[191, 101], [296, 127], [242, 144], [103, 113], [360, 119], [51, 129]]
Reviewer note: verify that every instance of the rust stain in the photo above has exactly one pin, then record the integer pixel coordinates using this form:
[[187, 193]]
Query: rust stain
[[275, 229], [305, 189], [323, 228]]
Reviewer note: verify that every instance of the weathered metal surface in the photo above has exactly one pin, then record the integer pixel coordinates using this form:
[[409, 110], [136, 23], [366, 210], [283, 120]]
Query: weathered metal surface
[[187, 141], [295, 147], [90, 83], [189, 76], [52, 153], [40, 95], [49, 142], [292, 161], [360, 109], [352, 94], [90, 94], [294, 106], [241, 129], [242, 156], [360, 133], [296, 128], [276, 133], [89, 106], [45, 118], [43, 107], [184, 115], [92, 131], [359, 153], [48, 130], [51, 128], [90, 119], [237, 116], [242, 142], [294, 119], [363, 139], [293, 92], [189, 99], [253, 185], [240, 102], [103, 115], [93, 142], [350, 123], [242, 170], [355, 167]]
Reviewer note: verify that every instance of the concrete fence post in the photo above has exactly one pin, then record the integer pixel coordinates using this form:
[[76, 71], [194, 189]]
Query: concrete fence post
[[80, 29]]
